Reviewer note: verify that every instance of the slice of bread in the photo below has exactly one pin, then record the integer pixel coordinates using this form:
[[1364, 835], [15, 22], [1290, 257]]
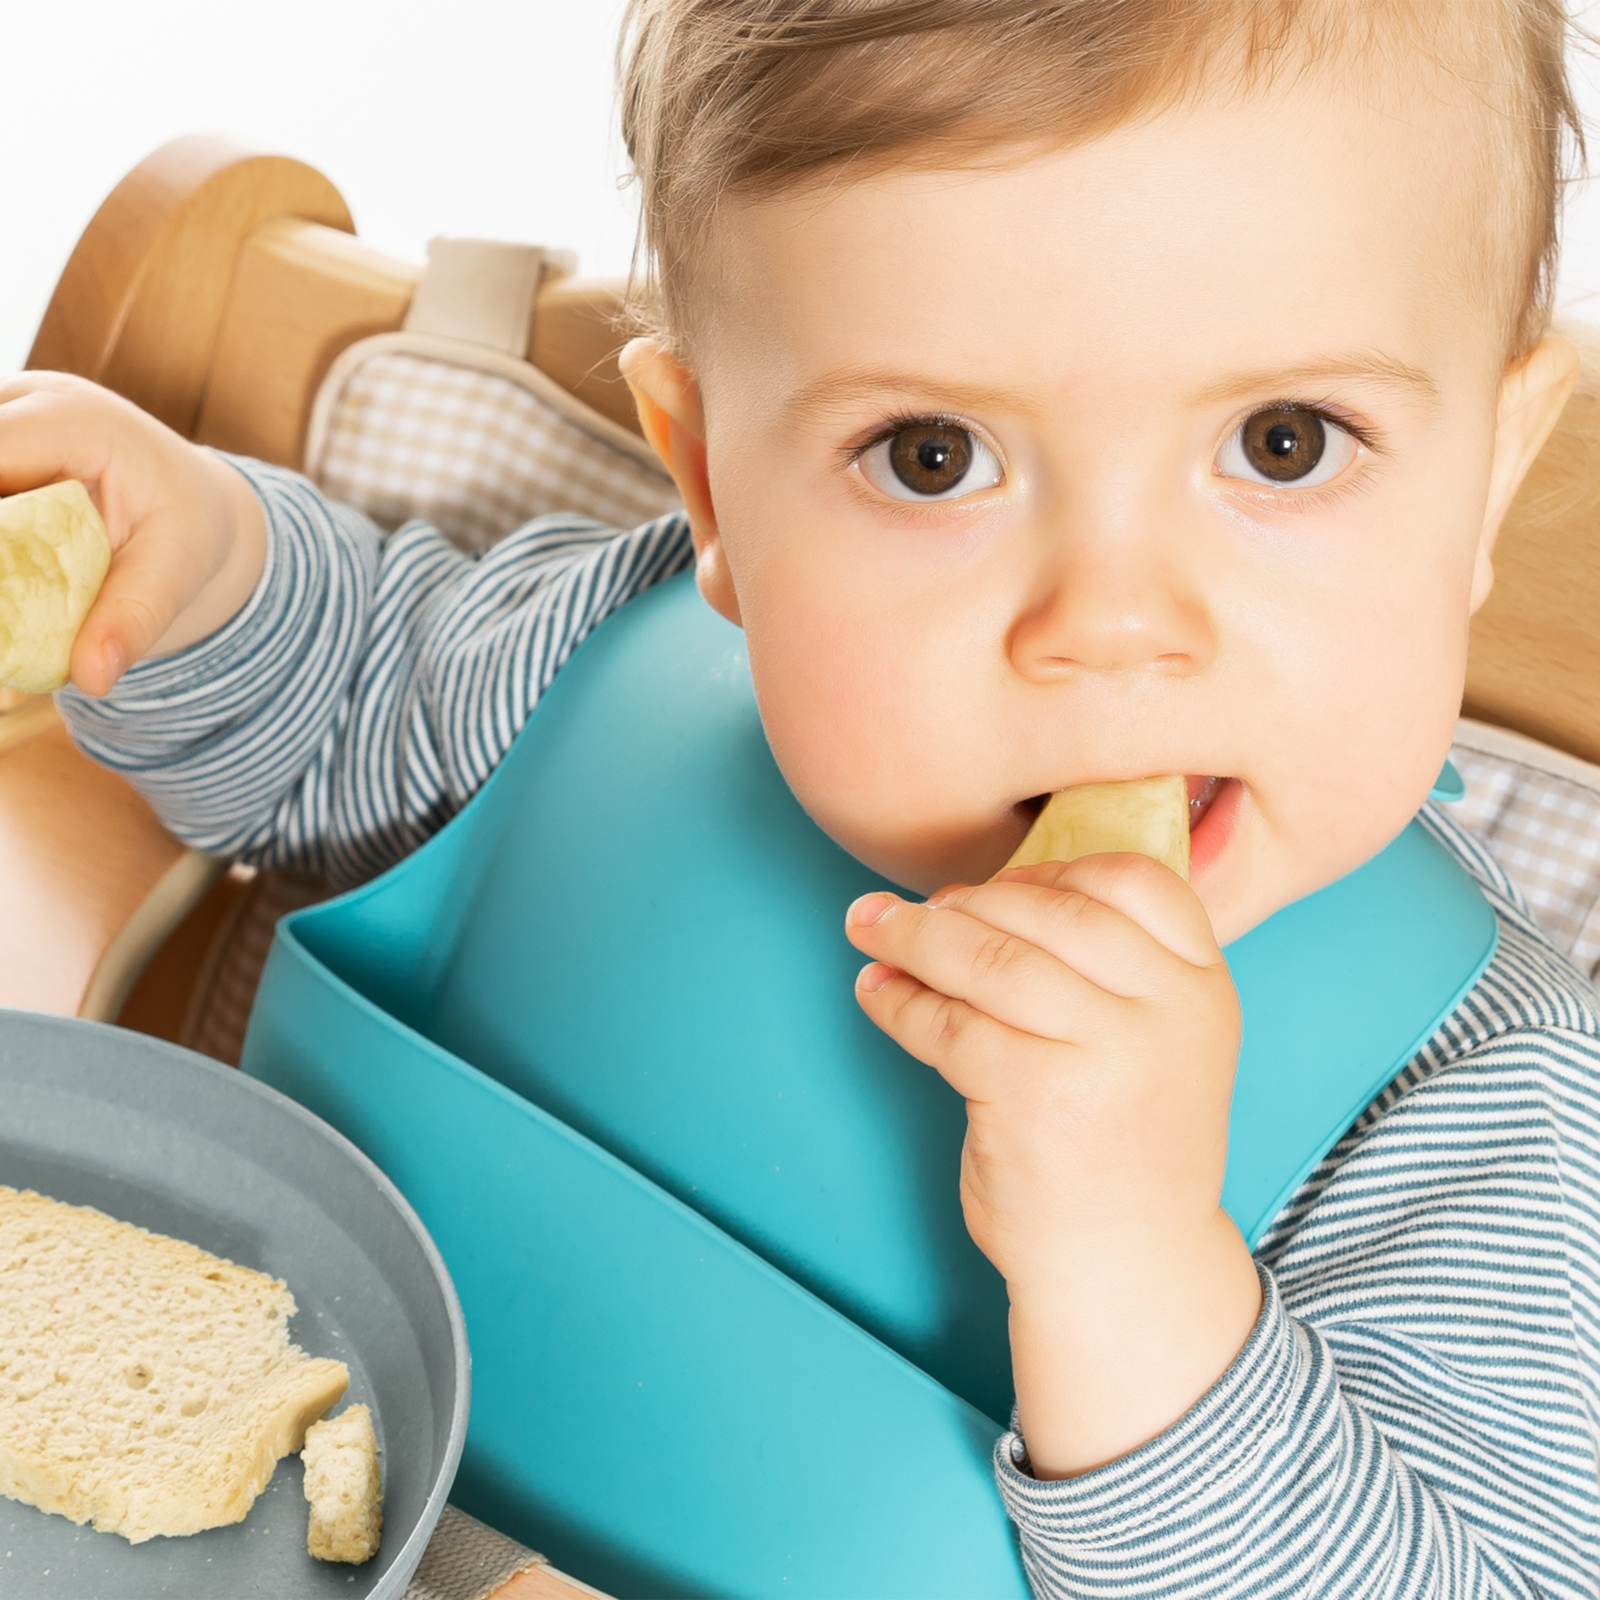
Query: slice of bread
[[341, 1460], [145, 1386]]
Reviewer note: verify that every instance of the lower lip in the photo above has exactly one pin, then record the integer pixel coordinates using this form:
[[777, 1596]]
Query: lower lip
[[1211, 834]]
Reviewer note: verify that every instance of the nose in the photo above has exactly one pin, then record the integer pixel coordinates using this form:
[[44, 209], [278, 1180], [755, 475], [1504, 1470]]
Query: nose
[[1111, 599]]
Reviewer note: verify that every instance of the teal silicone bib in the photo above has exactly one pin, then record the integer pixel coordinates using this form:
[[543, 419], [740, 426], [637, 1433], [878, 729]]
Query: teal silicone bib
[[730, 1334]]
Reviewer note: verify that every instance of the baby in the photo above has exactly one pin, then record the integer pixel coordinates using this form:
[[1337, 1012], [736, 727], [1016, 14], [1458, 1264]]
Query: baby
[[1059, 393]]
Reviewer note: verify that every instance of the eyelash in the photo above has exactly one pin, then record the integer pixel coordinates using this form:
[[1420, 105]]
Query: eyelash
[[902, 420], [1328, 412]]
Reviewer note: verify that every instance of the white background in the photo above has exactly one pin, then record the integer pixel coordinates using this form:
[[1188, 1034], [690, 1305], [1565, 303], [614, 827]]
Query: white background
[[491, 118]]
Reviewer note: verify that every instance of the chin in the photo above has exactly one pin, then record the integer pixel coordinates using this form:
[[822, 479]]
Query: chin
[[925, 866]]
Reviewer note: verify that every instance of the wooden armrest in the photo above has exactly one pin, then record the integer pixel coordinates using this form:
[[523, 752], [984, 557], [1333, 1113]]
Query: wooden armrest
[[543, 1583], [93, 882]]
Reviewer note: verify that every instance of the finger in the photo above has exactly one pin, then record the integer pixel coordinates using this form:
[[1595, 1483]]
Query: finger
[[979, 1057], [1102, 943], [16, 384], [1151, 895], [1010, 979], [48, 434], [150, 581]]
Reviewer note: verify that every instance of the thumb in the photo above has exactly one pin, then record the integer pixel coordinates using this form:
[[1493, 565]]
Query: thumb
[[147, 586]]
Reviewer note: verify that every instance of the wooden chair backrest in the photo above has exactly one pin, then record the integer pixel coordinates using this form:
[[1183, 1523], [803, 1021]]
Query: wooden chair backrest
[[216, 285], [1534, 661]]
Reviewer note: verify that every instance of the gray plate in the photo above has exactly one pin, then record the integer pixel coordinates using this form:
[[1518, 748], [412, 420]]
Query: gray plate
[[167, 1139]]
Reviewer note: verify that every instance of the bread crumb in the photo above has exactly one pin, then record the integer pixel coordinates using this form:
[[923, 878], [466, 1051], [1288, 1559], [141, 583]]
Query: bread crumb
[[342, 1484]]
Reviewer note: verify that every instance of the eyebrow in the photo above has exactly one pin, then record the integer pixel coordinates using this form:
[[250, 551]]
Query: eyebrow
[[1365, 367], [838, 389]]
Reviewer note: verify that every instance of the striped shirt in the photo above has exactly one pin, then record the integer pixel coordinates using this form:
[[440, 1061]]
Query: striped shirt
[[1415, 1413], [370, 685]]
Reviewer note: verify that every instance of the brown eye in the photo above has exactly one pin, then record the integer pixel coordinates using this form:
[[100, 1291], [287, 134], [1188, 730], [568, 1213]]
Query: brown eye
[[1289, 445], [1284, 445], [930, 461]]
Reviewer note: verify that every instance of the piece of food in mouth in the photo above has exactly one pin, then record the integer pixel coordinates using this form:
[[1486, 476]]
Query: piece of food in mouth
[[146, 1386], [54, 553], [342, 1484], [1147, 816]]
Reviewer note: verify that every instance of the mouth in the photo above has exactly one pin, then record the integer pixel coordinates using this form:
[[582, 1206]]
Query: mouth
[[1203, 793]]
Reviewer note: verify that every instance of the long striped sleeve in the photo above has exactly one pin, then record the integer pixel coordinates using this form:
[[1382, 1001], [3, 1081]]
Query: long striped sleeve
[[370, 685], [1415, 1413]]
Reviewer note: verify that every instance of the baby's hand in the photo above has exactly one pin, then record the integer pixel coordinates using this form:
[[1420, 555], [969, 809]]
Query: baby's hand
[[187, 535], [1088, 1017]]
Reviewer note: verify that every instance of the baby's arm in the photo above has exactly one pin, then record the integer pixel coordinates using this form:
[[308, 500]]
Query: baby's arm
[[339, 708], [369, 688], [1411, 1412], [219, 736]]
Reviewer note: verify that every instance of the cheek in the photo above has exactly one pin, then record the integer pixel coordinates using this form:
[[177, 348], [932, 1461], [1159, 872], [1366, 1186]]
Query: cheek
[[863, 702], [871, 665], [819, 655], [1374, 655]]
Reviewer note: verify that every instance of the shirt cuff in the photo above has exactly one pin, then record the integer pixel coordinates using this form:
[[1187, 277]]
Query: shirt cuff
[[1178, 1475]]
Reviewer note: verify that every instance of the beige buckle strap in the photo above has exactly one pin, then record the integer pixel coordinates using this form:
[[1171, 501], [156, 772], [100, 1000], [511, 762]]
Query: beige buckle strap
[[483, 291]]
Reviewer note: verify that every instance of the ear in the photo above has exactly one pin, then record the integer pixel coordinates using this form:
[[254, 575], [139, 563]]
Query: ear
[[1533, 393], [674, 424]]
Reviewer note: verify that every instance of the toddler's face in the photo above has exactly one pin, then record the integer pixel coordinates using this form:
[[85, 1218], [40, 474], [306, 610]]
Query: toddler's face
[[1174, 452]]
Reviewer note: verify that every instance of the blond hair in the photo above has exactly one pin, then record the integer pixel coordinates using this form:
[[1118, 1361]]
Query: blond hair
[[748, 97]]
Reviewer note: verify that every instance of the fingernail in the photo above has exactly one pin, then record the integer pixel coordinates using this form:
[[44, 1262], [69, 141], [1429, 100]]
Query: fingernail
[[871, 908], [872, 977], [115, 660]]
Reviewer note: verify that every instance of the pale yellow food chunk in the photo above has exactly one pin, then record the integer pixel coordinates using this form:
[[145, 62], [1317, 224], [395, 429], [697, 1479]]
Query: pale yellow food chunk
[[146, 1385], [54, 552], [342, 1484], [1149, 817]]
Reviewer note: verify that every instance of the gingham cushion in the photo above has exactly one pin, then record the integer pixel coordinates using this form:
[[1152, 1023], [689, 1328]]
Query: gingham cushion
[[474, 452], [1539, 812], [465, 1560]]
